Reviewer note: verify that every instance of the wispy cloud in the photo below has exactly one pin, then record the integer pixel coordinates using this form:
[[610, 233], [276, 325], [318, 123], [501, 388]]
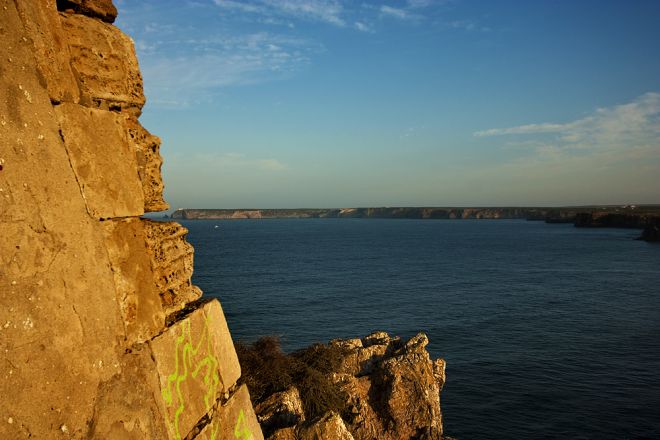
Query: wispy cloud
[[420, 3], [328, 11], [522, 129], [271, 165], [629, 130], [465, 25], [340, 13], [223, 161], [394, 12], [634, 122], [242, 42], [198, 66], [363, 27], [611, 155], [235, 5]]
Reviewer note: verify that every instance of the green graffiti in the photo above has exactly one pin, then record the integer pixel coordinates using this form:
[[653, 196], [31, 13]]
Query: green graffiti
[[192, 361], [241, 430]]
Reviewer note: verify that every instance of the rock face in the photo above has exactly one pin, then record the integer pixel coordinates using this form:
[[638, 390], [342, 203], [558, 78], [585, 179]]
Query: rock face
[[102, 333], [651, 231], [391, 390]]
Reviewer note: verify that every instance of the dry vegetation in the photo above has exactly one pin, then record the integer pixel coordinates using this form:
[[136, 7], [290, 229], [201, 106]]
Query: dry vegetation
[[267, 370]]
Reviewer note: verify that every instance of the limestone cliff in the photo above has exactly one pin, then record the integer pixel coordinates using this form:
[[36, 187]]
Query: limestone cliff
[[549, 214], [388, 212], [377, 387], [102, 334]]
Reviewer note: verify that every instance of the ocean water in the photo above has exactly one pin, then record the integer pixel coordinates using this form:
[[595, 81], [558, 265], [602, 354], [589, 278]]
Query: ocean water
[[548, 331]]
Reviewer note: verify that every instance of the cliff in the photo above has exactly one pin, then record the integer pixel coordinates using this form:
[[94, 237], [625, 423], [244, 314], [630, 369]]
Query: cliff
[[600, 219], [647, 220], [645, 217], [102, 333], [377, 387], [385, 212]]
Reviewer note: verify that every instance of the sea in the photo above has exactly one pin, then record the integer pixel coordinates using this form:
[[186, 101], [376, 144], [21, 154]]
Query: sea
[[548, 331]]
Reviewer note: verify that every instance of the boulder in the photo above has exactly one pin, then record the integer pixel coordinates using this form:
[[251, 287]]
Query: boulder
[[282, 409]]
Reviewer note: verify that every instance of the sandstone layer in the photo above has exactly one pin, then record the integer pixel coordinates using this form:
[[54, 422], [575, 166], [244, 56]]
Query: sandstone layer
[[102, 333]]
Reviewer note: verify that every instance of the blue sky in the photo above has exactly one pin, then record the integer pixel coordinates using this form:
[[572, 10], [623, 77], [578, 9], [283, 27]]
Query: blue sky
[[329, 103]]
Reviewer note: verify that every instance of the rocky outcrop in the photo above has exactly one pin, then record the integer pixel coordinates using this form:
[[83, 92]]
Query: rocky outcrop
[[233, 214], [390, 389], [651, 232], [604, 219], [102, 333], [393, 388]]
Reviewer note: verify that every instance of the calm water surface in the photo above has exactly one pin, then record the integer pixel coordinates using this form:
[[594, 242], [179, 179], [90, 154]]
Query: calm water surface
[[548, 331]]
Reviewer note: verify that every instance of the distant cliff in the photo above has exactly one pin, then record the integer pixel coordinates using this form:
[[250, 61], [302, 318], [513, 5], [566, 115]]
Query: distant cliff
[[383, 212], [548, 214], [648, 221], [600, 219]]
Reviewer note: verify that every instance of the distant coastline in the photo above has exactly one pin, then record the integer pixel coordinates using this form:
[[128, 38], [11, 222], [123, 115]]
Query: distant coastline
[[549, 214], [645, 217]]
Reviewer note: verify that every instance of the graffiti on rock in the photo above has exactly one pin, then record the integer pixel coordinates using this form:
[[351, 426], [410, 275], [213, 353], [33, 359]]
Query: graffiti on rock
[[194, 361], [241, 430]]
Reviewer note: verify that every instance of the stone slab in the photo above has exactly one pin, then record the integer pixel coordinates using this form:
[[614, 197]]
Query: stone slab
[[104, 164], [42, 23], [137, 295], [104, 62], [128, 406], [61, 329], [233, 420], [196, 364]]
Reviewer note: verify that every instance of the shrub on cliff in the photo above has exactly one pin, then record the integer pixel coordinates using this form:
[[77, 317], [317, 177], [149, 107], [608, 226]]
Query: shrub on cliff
[[267, 370]]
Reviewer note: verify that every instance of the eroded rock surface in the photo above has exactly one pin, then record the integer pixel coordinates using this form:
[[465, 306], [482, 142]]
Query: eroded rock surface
[[391, 390], [104, 64]]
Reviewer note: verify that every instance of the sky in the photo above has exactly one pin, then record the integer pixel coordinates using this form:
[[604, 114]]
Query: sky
[[331, 103]]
